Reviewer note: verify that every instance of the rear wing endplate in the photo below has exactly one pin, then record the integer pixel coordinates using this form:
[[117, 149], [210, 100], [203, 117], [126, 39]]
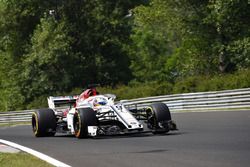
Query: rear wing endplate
[[57, 101]]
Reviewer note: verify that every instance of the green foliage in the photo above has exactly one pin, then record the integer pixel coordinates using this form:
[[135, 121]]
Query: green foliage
[[240, 79], [51, 49], [239, 51], [230, 22], [155, 36], [18, 18], [55, 47], [38, 102], [180, 39], [100, 33], [201, 83], [137, 90], [11, 97], [48, 63]]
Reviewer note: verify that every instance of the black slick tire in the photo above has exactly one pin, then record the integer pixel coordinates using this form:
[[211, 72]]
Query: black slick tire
[[158, 115], [44, 123], [83, 118]]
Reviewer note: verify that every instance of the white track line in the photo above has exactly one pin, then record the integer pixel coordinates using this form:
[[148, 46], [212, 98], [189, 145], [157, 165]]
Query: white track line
[[35, 153]]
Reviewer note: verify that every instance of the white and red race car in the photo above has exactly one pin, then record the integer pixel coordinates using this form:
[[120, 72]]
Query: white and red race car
[[91, 114]]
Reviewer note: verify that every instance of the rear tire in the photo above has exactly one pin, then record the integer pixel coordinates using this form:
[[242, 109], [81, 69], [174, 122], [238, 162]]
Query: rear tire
[[44, 123], [83, 118], [158, 115]]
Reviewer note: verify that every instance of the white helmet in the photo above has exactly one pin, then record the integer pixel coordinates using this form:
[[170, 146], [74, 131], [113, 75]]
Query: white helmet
[[100, 101]]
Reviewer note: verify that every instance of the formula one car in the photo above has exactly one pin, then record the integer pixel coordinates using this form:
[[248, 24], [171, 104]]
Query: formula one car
[[91, 114]]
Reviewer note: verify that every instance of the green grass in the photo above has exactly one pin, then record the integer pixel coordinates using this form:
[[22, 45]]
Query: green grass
[[21, 160]]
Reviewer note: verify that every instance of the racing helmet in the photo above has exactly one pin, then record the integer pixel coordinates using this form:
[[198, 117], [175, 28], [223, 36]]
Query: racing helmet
[[100, 101]]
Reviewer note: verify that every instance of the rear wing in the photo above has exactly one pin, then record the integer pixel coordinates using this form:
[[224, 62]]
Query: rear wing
[[57, 101]]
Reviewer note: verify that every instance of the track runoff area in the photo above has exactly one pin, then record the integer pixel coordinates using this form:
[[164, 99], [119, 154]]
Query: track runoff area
[[204, 139], [11, 147]]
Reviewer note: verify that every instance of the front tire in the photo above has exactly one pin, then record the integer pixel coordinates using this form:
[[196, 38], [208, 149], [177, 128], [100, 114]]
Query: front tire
[[44, 123], [158, 116], [83, 118]]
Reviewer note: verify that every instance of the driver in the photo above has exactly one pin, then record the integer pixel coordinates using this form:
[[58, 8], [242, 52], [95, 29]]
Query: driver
[[100, 101]]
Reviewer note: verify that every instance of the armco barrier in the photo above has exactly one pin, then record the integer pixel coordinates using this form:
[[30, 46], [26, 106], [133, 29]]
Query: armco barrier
[[201, 101], [15, 116], [216, 100]]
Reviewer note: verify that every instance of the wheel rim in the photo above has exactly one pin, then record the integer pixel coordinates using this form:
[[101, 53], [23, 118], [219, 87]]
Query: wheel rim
[[34, 123], [151, 117], [77, 124]]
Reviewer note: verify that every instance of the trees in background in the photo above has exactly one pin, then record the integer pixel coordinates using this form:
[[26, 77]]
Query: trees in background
[[18, 19], [54, 46], [50, 47], [178, 39]]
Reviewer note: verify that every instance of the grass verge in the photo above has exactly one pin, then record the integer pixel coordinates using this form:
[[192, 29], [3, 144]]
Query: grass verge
[[21, 160]]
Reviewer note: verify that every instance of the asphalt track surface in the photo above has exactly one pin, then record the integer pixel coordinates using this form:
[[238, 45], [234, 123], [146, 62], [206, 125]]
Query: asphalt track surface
[[209, 139]]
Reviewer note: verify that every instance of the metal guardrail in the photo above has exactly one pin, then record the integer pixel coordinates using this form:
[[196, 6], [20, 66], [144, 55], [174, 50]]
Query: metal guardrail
[[215, 100], [15, 116], [201, 101]]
